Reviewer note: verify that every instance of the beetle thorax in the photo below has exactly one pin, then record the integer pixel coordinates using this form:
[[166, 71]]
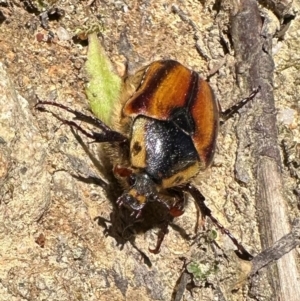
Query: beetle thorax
[[163, 151]]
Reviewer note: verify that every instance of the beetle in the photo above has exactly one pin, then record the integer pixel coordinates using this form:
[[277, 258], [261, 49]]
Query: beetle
[[167, 135]]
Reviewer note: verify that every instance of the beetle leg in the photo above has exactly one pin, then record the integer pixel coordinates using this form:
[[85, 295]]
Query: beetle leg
[[106, 134], [199, 199], [161, 235], [225, 115], [174, 211], [177, 208], [121, 171]]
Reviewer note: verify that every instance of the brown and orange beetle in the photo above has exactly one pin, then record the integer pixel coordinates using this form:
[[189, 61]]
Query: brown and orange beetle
[[168, 135]]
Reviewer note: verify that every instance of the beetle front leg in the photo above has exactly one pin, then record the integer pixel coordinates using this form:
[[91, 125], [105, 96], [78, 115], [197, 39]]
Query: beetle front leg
[[174, 210], [106, 134], [160, 237], [199, 199]]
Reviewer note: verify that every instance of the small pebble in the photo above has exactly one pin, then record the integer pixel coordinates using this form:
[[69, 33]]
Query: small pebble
[[63, 34]]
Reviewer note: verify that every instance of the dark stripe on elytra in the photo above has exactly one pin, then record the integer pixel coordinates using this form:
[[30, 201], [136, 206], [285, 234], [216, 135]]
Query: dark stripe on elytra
[[154, 82], [191, 97], [183, 117]]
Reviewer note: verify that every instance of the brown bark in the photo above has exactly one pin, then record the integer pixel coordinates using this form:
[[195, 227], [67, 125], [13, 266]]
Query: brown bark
[[255, 67], [280, 248], [280, 7]]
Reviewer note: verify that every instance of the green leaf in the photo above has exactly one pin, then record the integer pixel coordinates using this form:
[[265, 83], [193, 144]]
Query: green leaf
[[195, 269], [104, 86]]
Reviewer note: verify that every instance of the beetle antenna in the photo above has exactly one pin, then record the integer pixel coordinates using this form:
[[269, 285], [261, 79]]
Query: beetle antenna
[[107, 134]]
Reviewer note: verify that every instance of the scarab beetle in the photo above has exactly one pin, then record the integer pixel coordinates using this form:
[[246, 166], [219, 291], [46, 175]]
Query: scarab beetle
[[175, 123], [168, 135]]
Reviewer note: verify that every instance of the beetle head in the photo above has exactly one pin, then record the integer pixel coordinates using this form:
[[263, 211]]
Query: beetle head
[[142, 190]]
